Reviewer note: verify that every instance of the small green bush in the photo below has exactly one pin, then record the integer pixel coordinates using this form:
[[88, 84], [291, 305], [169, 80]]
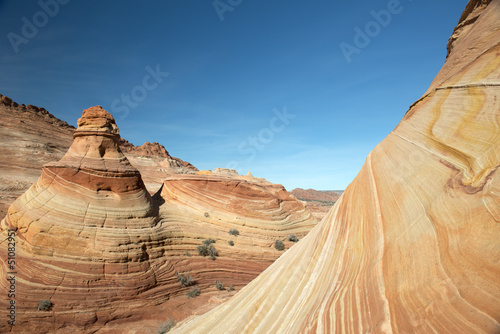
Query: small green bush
[[185, 280], [234, 232], [207, 215], [230, 288], [279, 245], [219, 285], [194, 292], [188, 254], [44, 305], [206, 249], [208, 241], [166, 326], [212, 252], [231, 243], [203, 250], [293, 238]]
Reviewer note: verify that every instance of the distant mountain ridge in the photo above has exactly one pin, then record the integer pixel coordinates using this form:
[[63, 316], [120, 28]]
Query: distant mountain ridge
[[317, 195], [318, 202]]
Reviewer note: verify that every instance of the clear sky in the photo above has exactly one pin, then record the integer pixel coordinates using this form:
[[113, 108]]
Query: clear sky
[[298, 92]]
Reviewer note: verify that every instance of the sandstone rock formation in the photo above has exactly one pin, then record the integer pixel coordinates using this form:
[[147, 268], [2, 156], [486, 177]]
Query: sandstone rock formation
[[156, 150], [86, 226], [90, 238], [30, 137], [233, 174], [261, 211], [413, 245]]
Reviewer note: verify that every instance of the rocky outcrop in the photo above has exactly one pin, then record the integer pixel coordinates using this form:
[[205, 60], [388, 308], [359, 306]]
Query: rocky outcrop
[[412, 244], [471, 13], [31, 137], [225, 171], [49, 118], [86, 226], [155, 163], [89, 238], [465, 46], [156, 150], [261, 211]]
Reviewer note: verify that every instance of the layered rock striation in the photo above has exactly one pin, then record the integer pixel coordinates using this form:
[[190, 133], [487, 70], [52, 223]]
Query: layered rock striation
[[262, 212], [89, 237], [412, 246], [83, 232]]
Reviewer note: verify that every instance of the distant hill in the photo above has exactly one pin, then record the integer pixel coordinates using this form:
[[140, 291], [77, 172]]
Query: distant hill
[[327, 196], [317, 201]]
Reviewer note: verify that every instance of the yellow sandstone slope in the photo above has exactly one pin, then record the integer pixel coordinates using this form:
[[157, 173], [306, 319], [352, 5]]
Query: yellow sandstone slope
[[413, 245]]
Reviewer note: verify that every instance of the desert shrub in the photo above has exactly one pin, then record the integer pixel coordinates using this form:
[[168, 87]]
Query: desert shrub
[[234, 232], [212, 252], [185, 280], [188, 254], [194, 292], [44, 305], [203, 250], [231, 243], [293, 238], [219, 285], [208, 241], [279, 245], [166, 326], [206, 249], [207, 215], [230, 288]]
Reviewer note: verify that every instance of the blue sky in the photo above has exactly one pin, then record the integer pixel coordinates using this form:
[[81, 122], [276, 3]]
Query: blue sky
[[261, 86]]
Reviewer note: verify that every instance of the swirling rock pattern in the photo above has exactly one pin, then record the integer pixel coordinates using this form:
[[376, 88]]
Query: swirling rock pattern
[[91, 239], [261, 211], [83, 228], [413, 244]]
